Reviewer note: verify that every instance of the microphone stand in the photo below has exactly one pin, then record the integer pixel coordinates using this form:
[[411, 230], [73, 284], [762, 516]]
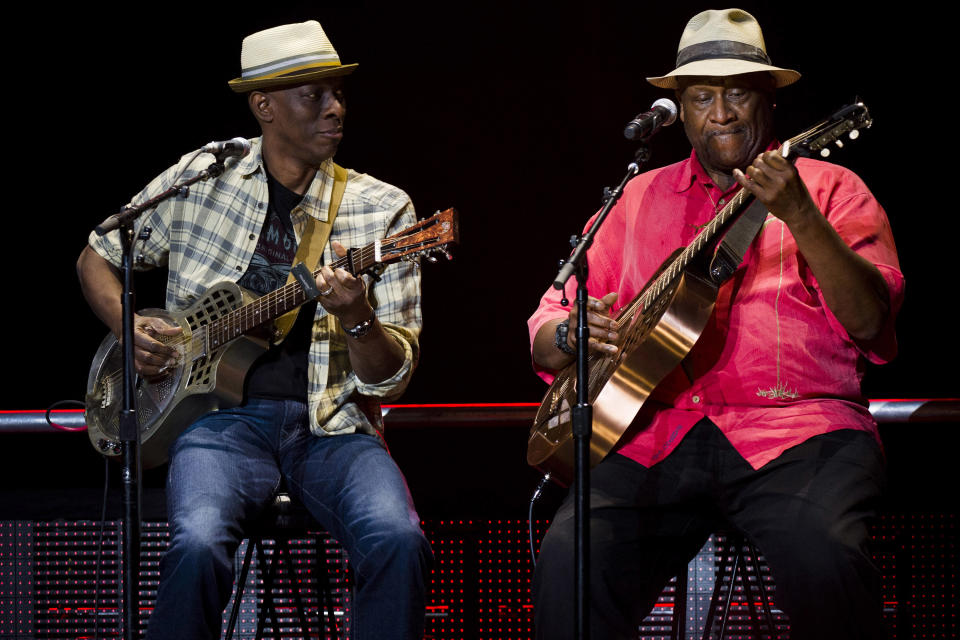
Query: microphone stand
[[129, 429], [582, 413]]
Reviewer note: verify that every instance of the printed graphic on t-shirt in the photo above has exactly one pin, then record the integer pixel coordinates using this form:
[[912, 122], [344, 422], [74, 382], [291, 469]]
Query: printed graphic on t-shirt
[[271, 261]]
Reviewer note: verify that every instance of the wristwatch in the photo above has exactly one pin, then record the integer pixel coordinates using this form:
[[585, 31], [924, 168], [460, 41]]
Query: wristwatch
[[363, 328], [560, 338]]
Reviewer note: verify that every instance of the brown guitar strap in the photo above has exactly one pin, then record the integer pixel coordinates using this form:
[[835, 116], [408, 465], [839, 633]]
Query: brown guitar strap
[[736, 241], [312, 241]]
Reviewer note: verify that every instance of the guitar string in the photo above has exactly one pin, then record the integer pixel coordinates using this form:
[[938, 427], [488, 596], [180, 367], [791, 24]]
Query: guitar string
[[223, 326], [290, 295], [663, 281], [250, 311], [232, 324]]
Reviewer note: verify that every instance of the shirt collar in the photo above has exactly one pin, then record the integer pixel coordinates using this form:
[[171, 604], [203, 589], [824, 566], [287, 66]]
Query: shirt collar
[[253, 161], [316, 200], [317, 197], [692, 171]]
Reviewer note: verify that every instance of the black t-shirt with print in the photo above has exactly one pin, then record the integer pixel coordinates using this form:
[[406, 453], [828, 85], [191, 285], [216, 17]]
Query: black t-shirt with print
[[282, 371]]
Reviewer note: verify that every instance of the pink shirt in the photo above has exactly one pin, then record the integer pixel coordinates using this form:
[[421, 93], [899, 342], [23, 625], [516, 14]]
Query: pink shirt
[[773, 367]]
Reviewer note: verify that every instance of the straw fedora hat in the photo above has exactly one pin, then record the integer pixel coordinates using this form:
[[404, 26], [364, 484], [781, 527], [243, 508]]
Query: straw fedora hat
[[723, 42], [286, 55]]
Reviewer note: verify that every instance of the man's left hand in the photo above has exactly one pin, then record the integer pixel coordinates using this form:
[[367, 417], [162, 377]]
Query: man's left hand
[[776, 183], [342, 294]]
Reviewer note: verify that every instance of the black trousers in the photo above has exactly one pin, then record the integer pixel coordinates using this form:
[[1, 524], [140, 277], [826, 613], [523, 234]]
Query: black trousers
[[807, 511]]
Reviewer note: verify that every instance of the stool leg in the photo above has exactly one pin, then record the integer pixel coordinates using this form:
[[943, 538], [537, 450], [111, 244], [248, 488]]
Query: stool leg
[[325, 589], [284, 545], [728, 548], [721, 569], [749, 554], [764, 599], [678, 626], [733, 582], [241, 583], [268, 571]]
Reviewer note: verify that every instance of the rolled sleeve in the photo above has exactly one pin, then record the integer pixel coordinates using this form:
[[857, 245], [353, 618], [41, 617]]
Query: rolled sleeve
[[863, 225], [396, 384]]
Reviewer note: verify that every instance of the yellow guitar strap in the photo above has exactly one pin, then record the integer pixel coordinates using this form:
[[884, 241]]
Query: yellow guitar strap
[[312, 241]]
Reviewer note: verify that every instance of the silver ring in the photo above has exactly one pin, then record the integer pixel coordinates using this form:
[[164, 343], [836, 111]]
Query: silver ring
[[327, 292]]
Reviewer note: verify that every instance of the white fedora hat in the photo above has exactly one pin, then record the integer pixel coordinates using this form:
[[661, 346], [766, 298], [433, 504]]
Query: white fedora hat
[[286, 55], [723, 42]]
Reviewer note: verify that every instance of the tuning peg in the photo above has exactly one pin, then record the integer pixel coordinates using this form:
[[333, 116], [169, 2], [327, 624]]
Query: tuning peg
[[825, 152], [839, 143], [430, 258], [446, 254], [855, 134]]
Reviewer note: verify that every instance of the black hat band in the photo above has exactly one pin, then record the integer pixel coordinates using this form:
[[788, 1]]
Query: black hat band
[[721, 49]]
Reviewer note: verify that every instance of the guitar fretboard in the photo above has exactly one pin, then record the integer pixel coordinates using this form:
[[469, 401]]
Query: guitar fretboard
[[278, 302], [682, 261]]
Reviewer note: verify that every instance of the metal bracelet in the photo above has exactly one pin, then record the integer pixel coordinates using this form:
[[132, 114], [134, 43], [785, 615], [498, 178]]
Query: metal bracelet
[[363, 328]]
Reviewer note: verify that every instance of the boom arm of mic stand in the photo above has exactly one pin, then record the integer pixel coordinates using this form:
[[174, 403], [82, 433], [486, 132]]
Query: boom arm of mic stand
[[129, 214], [580, 251]]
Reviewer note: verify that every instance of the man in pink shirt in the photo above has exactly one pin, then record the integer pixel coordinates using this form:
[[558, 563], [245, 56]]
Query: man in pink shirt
[[763, 427]]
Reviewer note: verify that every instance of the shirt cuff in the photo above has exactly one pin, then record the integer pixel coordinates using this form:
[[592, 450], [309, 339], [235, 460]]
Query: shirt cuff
[[394, 385]]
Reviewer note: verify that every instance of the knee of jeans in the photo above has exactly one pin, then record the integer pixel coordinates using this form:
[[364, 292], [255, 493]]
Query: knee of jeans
[[400, 546], [202, 534], [405, 541]]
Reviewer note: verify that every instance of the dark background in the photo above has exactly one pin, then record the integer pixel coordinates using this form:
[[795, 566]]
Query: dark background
[[512, 113]]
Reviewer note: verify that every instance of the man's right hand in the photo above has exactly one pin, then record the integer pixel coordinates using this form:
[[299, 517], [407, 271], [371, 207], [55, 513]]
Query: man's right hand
[[152, 356], [603, 328], [603, 334]]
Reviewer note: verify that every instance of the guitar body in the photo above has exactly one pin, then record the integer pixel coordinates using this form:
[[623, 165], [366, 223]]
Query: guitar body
[[656, 341], [199, 383]]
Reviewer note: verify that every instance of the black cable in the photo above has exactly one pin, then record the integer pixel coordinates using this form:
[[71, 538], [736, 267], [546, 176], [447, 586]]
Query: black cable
[[58, 403], [536, 496]]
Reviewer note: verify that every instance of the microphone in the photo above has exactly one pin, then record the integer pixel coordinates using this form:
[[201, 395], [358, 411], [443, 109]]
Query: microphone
[[239, 147], [662, 113]]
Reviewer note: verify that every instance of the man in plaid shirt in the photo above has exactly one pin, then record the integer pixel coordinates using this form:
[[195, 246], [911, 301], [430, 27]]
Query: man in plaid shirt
[[310, 419]]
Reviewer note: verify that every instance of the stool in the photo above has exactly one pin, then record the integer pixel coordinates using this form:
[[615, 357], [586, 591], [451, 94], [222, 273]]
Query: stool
[[282, 521], [732, 557]]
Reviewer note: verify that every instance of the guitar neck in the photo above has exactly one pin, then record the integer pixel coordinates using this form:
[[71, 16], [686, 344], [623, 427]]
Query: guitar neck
[[280, 301], [683, 260], [703, 239]]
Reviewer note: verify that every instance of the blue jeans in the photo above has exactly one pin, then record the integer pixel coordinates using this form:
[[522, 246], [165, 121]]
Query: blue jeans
[[227, 466]]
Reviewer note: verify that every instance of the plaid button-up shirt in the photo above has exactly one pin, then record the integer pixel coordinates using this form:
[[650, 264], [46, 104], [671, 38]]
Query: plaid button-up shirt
[[211, 234]]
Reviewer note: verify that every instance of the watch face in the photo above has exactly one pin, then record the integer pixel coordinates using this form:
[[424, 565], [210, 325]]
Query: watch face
[[361, 329]]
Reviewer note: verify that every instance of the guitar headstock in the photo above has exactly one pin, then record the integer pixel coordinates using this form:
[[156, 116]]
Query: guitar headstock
[[848, 122], [422, 240]]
